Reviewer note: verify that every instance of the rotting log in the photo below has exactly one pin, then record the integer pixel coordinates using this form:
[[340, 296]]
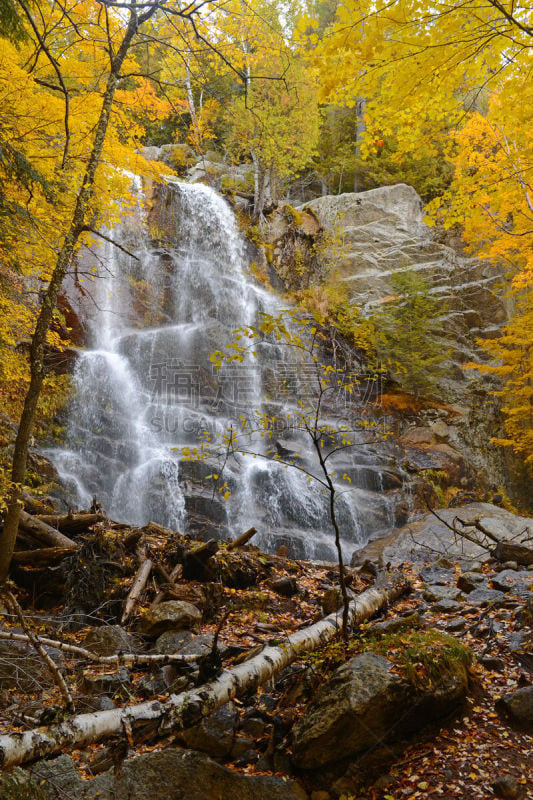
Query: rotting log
[[188, 708], [43, 555], [139, 582], [71, 523], [243, 539], [43, 532]]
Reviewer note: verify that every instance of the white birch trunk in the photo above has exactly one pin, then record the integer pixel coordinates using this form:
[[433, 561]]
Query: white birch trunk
[[188, 708]]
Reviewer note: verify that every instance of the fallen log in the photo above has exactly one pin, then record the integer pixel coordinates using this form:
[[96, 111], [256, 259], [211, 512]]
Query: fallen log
[[188, 708], [507, 551], [143, 573], [243, 539], [44, 555], [43, 532], [71, 523]]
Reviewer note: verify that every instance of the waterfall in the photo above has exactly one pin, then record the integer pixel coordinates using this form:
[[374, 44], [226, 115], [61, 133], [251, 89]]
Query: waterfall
[[154, 310]]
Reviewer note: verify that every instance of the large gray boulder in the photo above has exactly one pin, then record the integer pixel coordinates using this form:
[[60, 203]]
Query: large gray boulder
[[166, 775], [365, 703], [421, 539]]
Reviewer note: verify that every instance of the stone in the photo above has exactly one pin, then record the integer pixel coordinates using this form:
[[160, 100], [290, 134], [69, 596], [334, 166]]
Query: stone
[[110, 640], [469, 581], [241, 746], [287, 587], [517, 707], [214, 735], [482, 597], [363, 703], [185, 643], [433, 594], [447, 607], [398, 624], [172, 615], [169, 774], [420, 539], [456, 625], [510, 580], [254, 727], [506, 787], [510, 565], [437, 575], [492, 663], [109, 683]]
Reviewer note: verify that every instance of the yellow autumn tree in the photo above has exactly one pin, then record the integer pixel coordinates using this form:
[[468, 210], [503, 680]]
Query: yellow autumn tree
[[492, 198]]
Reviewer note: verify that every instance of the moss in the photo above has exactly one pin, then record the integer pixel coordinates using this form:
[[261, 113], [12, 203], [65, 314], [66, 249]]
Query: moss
[[18, 786], [292, 215], [423, 657]]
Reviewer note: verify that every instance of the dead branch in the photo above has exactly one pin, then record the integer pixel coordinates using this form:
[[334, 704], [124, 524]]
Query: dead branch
[[188, 708]]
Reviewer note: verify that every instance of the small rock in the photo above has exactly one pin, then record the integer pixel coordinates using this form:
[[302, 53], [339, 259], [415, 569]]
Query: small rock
[[510, 565], [482, 597], [184, 642], [171, 615], [286, 587], [437, 575], [253, 726], [456, 625], [506, 787], [398, 625], [110, 640], [492, 663], [433, 594], [241, 745], [331, 601], [106, 683], [510, 580], [214, 735], [95, 703], [447, 606], [517, 707], [154, 685], [469, 581]]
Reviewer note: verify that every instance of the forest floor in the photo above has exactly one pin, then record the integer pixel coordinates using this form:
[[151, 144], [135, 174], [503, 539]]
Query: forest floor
[[249, 599]]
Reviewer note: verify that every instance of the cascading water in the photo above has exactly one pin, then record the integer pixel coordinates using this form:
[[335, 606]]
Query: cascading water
[[146, 389]]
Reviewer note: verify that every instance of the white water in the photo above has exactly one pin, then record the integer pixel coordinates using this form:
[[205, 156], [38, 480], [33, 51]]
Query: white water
[[145, 388]]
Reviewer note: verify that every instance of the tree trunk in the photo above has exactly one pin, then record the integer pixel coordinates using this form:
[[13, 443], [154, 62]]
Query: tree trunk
[[44, 319], [187, 709], [359, 130]]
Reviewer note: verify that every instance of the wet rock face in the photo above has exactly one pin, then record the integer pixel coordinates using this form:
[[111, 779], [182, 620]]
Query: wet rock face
[[383, 234]]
